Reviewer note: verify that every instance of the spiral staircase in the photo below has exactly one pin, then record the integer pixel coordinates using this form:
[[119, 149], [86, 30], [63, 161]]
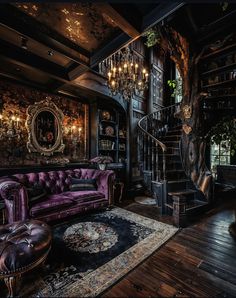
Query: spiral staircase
[[160, 160]]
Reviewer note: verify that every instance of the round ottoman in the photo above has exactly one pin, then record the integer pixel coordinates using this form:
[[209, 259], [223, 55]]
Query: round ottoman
[[23, 246]]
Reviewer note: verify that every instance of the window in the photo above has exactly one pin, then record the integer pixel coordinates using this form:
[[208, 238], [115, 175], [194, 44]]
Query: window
[[220, 155], [179, 86]]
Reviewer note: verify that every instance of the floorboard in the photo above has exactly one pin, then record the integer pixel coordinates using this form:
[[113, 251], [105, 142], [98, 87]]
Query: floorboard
[[199, 261]]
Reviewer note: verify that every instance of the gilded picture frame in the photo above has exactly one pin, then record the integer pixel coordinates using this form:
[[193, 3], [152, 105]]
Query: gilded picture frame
[[44, 126]]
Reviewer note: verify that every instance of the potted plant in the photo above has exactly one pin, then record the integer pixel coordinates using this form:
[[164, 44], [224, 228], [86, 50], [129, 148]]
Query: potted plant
[[225, 130], [102, 161]]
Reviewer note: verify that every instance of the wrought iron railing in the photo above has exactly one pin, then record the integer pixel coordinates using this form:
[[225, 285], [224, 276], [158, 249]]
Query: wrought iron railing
[[150, 129]]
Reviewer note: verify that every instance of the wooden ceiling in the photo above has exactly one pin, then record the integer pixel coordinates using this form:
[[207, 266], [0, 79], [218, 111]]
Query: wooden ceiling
[[64, 41]]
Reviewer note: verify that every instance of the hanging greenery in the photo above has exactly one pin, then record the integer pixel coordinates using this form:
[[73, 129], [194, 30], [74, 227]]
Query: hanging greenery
[[225, 130], [224, 5], [152, 37], [176, 86]]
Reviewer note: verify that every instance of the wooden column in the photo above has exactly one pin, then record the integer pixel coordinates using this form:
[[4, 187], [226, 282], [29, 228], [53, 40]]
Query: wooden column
[[93, 129], [130, 128], [150, 89]]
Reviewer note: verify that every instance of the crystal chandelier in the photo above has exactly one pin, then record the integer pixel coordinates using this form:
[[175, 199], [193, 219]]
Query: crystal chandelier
[[126, 74]]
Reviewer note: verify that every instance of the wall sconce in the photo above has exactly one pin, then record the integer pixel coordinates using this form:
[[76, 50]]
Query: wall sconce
[[10, 127]]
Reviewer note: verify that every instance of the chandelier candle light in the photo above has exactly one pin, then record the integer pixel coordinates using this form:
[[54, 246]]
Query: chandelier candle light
[[126, 74]]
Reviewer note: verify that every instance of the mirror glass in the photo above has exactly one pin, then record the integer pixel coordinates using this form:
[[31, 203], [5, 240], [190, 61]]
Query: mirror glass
[[44, 126], [46, 129]]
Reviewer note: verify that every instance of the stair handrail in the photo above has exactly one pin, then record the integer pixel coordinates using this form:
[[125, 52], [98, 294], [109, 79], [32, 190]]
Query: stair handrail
[[158, 142]]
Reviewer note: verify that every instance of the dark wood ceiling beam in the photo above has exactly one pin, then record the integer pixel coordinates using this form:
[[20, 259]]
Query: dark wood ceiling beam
[[17, 79], [77, 71], [30, 60], [159, 13], [163, 10], [55, 85], [25, 25], [111, 47], [118, 19], [219, 26], [188, 10]]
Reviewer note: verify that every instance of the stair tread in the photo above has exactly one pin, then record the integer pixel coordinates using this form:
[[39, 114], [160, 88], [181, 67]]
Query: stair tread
[[172, 136], [175, 170], [182, 192], [192, 205], [180, 180], [195, 204], [170, 154], [175, 148], [174, 130]]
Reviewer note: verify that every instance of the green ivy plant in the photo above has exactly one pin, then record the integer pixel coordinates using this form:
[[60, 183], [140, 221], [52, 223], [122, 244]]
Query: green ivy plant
[[176, 86], [225, 130], [224, 5], [152, 37]]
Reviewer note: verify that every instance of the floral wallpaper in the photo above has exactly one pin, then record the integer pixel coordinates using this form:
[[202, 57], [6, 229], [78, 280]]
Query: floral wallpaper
[[14, 101]]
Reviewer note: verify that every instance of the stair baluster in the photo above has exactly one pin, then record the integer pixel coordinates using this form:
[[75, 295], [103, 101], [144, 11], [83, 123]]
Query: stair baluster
[[162, 163]]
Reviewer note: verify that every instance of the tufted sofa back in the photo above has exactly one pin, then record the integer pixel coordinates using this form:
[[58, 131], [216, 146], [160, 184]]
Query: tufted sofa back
[[56, 182]]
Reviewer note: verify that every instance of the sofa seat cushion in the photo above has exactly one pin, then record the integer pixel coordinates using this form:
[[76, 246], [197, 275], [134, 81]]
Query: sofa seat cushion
[[84, 195], [53, 203]]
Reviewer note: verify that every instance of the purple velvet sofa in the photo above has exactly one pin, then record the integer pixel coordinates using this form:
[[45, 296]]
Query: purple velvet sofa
[[59, 201]]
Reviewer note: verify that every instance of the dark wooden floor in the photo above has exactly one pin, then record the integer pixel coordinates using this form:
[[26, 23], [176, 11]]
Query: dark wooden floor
[[200, 261]]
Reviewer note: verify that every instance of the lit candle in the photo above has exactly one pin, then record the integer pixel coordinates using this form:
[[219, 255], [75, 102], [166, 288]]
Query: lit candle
[[17, 121], [136, 68], [13, 118], [79, 130], [125, 68], [1, 117], [144, 71], [114, 72], [73, 127], [146, 76], [109, 75]]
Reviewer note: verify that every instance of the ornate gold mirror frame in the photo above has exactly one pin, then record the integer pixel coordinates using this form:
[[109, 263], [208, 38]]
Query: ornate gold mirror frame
[[44, 126]]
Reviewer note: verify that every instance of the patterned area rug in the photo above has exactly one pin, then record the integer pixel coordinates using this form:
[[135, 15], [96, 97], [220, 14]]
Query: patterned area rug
[[94, 251]]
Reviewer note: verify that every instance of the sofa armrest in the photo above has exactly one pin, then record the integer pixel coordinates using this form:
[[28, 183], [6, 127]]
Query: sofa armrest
[[105, 183], [15, 197]]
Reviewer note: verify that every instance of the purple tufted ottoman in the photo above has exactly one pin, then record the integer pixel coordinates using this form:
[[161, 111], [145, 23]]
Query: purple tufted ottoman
[[23, 246]]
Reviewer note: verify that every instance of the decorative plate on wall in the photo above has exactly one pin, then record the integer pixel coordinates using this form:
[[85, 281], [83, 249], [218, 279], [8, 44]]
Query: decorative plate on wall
[[109, 130]]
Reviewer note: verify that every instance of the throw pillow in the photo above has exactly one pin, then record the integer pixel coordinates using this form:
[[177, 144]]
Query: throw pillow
[[36, 193], [83, 184]]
